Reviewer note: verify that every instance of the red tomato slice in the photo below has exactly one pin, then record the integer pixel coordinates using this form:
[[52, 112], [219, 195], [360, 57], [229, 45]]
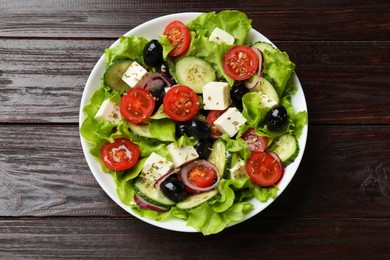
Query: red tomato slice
[[181, 103], [240, 62], [179, 36], [211, 117], [137, 105], [202, 175], [264, 169], [255, 142], [119, 155]]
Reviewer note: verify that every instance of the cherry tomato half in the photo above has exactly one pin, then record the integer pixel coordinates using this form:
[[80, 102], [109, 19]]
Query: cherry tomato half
[[211, 117], [179, 36], [181, 103], [264, 169], [120, 155], [202, 175], [240, 62], [137, 105], [255, 142]]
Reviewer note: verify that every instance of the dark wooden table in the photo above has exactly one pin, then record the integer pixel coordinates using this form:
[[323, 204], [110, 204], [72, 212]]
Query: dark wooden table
[[338, 204]]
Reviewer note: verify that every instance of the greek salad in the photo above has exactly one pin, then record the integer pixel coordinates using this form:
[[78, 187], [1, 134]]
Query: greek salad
[[196, 122]]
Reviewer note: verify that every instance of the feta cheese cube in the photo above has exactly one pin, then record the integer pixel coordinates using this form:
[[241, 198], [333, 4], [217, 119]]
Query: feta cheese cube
[[108, 111], [219, 35], [181, 155], [266, 101], [155, 167], [216, 96], [230, 121], [134, 74]]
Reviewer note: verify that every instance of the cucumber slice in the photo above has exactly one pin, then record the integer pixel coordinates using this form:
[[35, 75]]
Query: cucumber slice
[[197, 199], [142, 130], [263, 46], [194, 72], [150, 194], [286, 147], [113, 75], [267, 89], [220, 157]]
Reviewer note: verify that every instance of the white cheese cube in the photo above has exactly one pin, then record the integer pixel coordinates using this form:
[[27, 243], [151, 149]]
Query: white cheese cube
[[108, 111], [133, 74], [219, 35], [182, 155], [266, 101], [230, 121], [155, 167], [216, 96]]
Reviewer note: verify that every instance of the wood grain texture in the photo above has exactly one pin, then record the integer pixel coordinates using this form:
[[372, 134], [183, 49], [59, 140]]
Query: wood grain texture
[[314, 20], [43, 80], [44, 174], [113, 238]]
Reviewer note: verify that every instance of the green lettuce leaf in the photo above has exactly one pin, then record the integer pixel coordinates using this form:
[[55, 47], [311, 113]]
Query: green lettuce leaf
[[234, 22], [253, 109], [278, 67], [129, 47]]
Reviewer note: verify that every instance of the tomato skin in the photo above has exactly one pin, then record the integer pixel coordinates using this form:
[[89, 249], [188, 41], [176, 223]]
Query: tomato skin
[[240, 62], [137, 105], [264, 169], [255, 142], [179, 36], [181, 103], [202, 176], [120, 155], [211, 117]]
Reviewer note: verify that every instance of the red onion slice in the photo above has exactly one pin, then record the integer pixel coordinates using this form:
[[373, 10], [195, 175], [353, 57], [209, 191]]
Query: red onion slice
[[188, 167], [152, 78], [146, 205], [255, 79]]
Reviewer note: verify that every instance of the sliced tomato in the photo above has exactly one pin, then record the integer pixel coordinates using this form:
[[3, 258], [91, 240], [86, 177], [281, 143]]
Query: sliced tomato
[[137, 105], [240, 62], [120, 155], [211, 117], [179, 36], [202, 175], [264, 169], [255, 142], [181, 103]]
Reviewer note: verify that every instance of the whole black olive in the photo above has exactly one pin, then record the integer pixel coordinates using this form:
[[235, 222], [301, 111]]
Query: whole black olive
[[173, 189], [203, 148], [236, 93], [200, 128], [277, 118], [153, 53]]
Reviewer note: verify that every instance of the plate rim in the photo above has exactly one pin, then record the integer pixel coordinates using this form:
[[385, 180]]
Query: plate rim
[[173, 224]]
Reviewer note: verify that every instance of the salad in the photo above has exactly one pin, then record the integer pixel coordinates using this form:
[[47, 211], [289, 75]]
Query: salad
[[195, 123]]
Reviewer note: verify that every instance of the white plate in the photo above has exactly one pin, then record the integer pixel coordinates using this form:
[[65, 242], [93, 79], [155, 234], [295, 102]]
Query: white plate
[[151, 30]]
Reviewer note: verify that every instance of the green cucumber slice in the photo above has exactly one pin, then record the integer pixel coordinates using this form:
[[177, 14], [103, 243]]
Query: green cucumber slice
[[220, 157], [196, 200], [263, 46], [113, 75], [267, 89], [286, 147], [150, 194], [194, 73]]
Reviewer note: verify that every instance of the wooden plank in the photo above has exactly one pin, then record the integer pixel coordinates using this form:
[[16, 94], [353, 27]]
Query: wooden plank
[[319, 20], [80, 238], [43, 173], [43, 80]]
